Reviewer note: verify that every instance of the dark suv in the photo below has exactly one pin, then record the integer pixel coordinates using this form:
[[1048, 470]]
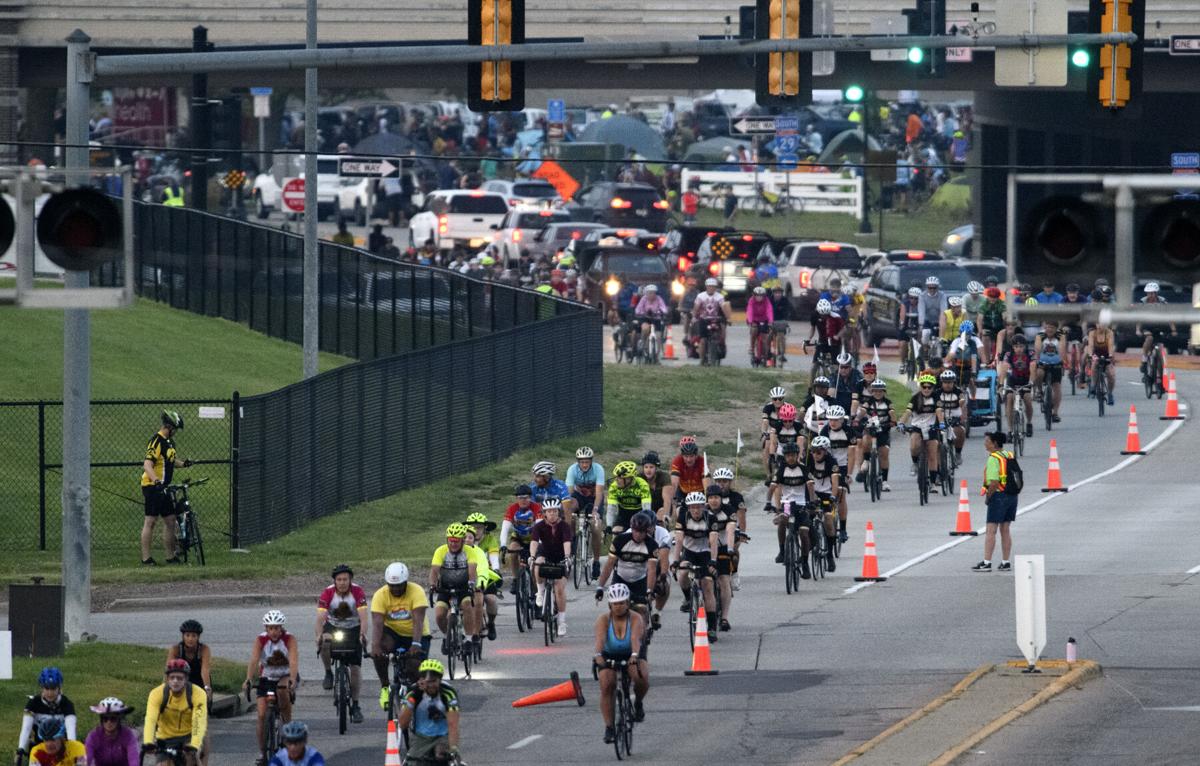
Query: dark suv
[[889, 283], [683, 242], [617, 204], [730, 257]]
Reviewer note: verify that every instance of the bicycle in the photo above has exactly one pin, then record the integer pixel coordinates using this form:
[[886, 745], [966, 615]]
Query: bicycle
[[456, 639], [272, 724], [176, 754], [695, 601], [1152, 379], [1075, 368], [402, 681], [1019, 422], [1048, 404], [623, 713], [767, 203], [581, 570], [524, 593], [188, 538], [622, 348], [792, 554], [1100, 382], [947, 460], [779, 333], [760, 349], [823, 362], [341, 677], [650, 346], [822, 548], [874, 471], [714, 343]]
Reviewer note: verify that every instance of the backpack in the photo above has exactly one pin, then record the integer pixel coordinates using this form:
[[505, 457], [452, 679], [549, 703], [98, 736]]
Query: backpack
[[1015, 481], [166, 696]]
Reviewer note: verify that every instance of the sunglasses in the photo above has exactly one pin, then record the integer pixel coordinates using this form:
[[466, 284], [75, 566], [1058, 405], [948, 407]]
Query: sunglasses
[[777, 398], [110, 718], [926, 385]]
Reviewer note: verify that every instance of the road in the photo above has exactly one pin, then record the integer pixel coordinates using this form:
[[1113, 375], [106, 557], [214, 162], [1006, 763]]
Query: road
[[850, 660]]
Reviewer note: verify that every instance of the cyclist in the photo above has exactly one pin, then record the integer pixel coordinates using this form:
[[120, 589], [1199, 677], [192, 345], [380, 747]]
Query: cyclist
[[342, 609], [930, 306], [452, 575], [846, 383], [766, 273], [696, 543], [910, 324], [545, 486], [843, 443], [770, 421], [788, 491], [781, 309], [1048, 363], [628, 494], [157, 469], [964, 355], [515, 532], [687, 473], [486, 587], [954, 404], [734, 504], [950, 322], [55, 748], [857, 308], [1048, 296], [431, 707], [839, 302], [787, 432], [585, 482], [484, 540], [1100, 344], [651, 310], [1015, 370], [870, 371], [760, 316], [829, 331], [877, 410], [724, 522], [198, 655], [551, 545], [1025, 297], [177, 716], [1074, 328], [397, 620], [991, 319], [1152, 333], [973, 300], [619, 634], [112, 743], [656, 480], [633, 561], [824, 487], [920, 418], [296, 751], [275, 667], [50, 702], [710, 306]]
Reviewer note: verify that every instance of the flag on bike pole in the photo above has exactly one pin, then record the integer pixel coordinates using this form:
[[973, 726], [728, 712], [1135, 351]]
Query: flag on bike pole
[[740, 443], [706, 473], [875, 356]]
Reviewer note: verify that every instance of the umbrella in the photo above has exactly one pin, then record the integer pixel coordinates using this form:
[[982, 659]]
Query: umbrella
[[713, 149], [848, 142], [384, 144], [628, 132]]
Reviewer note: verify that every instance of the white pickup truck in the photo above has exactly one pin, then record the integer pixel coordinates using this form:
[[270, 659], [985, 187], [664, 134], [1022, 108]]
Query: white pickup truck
[[458, 217], [805, 269]]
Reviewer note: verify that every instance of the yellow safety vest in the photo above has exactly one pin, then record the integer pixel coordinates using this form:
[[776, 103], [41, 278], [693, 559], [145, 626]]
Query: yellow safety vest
[[953, 324], [171, 199]]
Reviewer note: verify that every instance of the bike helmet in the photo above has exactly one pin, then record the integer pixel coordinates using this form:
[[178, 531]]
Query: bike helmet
[[878, 385], [1019, 339], [111, 706], [1072, 287], [723, 473], [551, 504], [711, 282], [914, 292], [760, 290], [835, 283], [967, 327], [824, 307], [172, 418], [432, 666], [791, 448], [954, 301], [53, 727], [342, 569], [50, 678], [844, 358], [191, 626], [927, 379], [182, 666], [642, 521], [456, 531], [974, 288], [650, 289], [618, 592], [544, 468], [778, 392], [991, 281], [821, 382], [694, 498], [1106, 291], [295, 731], [821, 442], [522, 490], [584, 453], [396, 573], [836, 412], [713, 489], [787, 412], [479, 518], [869, 367], [948, 375], [688, 446], [932, 281], [1151, 287], [651, 458], [625, 469], [992, 292], [274, 617]]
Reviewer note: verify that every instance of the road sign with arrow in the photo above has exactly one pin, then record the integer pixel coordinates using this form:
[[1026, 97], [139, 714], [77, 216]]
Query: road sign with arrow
[[752, 125], [360, 167]]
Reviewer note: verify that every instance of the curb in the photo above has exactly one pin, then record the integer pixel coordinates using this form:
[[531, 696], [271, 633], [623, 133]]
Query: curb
[[899, 726], [1080, 672], [183, 602], [226, 706]]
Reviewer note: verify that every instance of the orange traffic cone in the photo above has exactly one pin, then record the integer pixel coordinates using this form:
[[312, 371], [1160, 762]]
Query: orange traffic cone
[[567, 690], [668, 347], [870, 570], [1133, 444], [1165, 380], [701, 662], [1172, 401], [1054, 473], [392, 758], [962, 524]]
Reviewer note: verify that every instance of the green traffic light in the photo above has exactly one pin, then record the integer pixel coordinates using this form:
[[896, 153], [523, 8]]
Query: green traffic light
[[916, 55], [854, 93], [1081, 58]]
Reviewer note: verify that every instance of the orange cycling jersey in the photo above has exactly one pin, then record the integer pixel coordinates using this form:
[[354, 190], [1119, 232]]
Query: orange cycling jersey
[[691, 479]]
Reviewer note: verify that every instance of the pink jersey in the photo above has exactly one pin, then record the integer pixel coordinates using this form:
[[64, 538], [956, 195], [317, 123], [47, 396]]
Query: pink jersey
[[342, 610], [758, 311]]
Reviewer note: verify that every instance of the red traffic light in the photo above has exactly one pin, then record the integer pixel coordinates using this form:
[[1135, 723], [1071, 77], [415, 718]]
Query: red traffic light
[[80, 229]]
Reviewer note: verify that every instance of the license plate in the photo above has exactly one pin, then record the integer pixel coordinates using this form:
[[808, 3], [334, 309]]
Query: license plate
[[641, 213], [478, 241]]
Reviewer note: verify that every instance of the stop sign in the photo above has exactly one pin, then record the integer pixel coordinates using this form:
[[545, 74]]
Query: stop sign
[[293, 195]]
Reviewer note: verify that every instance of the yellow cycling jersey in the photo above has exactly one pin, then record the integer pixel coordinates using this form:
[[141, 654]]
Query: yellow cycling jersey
[[953, 324], [181, 717], [484, 574], [72, 753]]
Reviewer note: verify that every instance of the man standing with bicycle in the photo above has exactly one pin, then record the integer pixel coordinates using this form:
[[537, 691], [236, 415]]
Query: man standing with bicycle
[[157, 468]]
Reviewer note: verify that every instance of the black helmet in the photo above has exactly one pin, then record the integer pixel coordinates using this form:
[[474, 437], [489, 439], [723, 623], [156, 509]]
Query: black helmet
[[342, 569], [651, 457], [172, 418], [791, 448], [1072, 287], [642, 521], [191, 626], [523, 490], [713, 489]]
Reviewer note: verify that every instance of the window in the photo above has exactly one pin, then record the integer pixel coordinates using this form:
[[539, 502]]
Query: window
[[540, 191], [635, 264], [486, 204], [829, 256], [327, 167], [537, 220]]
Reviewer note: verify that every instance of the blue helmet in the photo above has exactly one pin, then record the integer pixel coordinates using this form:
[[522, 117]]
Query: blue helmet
[[50, 678], [967, 327], [52, 727]]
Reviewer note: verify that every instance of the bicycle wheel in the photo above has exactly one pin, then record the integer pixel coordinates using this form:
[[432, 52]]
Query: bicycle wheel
[[618, 347], [1048, 407], [452, 640], [341, 695], [789, 563], [468, 656], [696, 601], [874, 482], [1101, 394], [548, 622], [522, 598], [819, 551], [923, 477], [197, 542], [270, 729], [619, 723], [652, 349], [577, 563], [629, 723]]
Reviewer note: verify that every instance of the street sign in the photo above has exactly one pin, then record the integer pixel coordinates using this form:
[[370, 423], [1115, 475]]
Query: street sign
[[556, 110], [751, 125], [787, 161], [787, 123], [358, 167], [262, 107], [787, 139], [1185, 45], [823, 62], [887, 26], [788, 143], [1029, 577], [261, 91], [293, 195], [1185, 164], [562, 181], [958, 55], [1032, 67]]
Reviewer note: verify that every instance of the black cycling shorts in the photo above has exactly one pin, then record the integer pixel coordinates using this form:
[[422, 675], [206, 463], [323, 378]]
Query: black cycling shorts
[[883, 438], [724, 562], [405, 642], [699, 562], [158, 502], [638, 592], [1054, 373], [349, 649], [444, 595]]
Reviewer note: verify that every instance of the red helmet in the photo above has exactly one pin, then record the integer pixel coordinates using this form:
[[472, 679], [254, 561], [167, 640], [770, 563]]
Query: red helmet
[[869, 367], [787, 412], [178, 666], [688, 446]]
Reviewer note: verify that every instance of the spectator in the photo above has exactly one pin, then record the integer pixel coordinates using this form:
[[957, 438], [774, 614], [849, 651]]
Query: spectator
[[448, 175], [691, 202], [912, 128], [731, 205], [1002, 494], [343, 236], [159, 465], [376, 239], [814, 140], [390, 250], [959, 146], [667, 123]]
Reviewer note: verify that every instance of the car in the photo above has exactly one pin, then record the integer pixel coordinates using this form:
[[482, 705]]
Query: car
[[889, 283], [552, 240], [454, 217], [711, 119], [730, 257], [519, 227], [682, 242], [958, 242], [876, 261], [268, 187], [606, 268], [357, 202], [980, 271], [1174, 295], [335, 125], [806, 266], [621, 204], [532, 191], [595, 235]]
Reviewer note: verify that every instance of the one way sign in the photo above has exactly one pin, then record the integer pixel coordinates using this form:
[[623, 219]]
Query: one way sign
[[749, 125], [359, 167]]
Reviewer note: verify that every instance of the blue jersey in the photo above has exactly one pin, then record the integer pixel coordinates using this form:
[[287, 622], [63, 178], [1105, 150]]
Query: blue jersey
[[555, 488], [429, 713], [310, 758], [841, 304], [1053, 297], [585, 480], [766, 272]]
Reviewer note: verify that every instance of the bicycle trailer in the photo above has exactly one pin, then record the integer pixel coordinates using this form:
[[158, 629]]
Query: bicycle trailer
[[984, 404]]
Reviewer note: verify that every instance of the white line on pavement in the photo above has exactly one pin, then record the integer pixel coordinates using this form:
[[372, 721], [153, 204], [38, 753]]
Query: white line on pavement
[[523, 742], [1166, 434], [1194, 570]]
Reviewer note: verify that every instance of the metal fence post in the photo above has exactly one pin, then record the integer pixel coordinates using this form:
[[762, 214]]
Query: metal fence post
[[412, 302], [235, 446], [432, 311], [41, 476], [470, 324], [337, 304], [395, 303], [450, 289]]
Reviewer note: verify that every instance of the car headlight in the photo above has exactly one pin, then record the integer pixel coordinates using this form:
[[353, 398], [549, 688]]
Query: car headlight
[[677, 288], [612, 287], [338, 635], [953, 239]]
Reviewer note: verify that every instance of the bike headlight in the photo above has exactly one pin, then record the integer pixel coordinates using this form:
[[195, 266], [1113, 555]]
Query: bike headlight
[[338, 635], [677, 288], [612, 287]]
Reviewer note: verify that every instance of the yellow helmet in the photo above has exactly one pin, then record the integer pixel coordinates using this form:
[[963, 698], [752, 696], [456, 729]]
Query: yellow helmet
[[927, 378], [625, 469], [477, 518], [457, 530], [432, 666]]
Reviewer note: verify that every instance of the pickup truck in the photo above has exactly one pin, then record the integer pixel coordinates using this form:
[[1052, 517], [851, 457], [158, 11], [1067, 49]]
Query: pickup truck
[[805, 268], [453, 217]]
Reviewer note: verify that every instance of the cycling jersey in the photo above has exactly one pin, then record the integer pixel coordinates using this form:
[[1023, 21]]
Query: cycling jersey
[[771, 415], [829, 328], [732, 501], [618, 647], [636, 497], [924, 409], [962, 349], [953, 323], [695, 531], [183, 716], [484, 576], [555, 488], [1051, 353], [821, 472], [71, 752], [1018, 367], [38, 710], [841, 304], [552, 540], [397, 611], [660, 480], [121, 750], [310, 758], [1052, 297], [845, 388], [691, 479], [951, 401], [839, 443], [585, 482], [929, 306], [708, 306], [991, 315], [273, 662], [1100, 344], [342, 609], [632, 555], [791, 479], [522, 520], [429, 712], [759, 311], [161, 452], [912, 319], [454, 567], [788, 432], [722, 518], [971, 304], [878, 408]]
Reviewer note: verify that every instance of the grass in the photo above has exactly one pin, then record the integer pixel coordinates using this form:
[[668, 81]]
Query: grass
[[93, 671], [409, 525]]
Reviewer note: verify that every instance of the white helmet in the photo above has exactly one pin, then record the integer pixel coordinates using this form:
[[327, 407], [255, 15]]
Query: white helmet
[[110, 706], [723, 473], [974, 288], [274, 617], [836, 412], [821, 442], [711, 282], [844, 358], [914, 292], [695, 498], [618, 592], [1151, 287], [932, 281], [396, 573], [948, 375], [778, 392], [552, 504], [544, 468], [584, 453], [955, 301], [651, 288], [824, 307]]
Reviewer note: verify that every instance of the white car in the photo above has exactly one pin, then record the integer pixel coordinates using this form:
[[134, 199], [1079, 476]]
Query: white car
[[533, 191], [521, 226], [268, 186], [805, 269], [453, 217], [357, 201]]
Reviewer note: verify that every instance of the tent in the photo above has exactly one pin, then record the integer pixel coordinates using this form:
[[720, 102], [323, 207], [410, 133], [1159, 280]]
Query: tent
[[849, 143], [713, 149], [629, 132]]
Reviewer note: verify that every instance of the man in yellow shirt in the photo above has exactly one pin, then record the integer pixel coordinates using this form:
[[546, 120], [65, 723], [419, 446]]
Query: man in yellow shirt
[[397, 618], [176, 715]]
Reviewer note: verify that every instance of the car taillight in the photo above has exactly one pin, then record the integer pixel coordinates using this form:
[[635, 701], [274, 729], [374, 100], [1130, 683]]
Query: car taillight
[[662, 204], [576, 234], [683, 263], [443, 224], [514, 202], [805, 279], [915, 255], [714, 268], [829, 247], [747, 238], [516, 235], [620, 204]]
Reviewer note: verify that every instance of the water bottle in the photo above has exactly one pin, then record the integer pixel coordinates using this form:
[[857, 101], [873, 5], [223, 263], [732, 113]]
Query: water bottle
[[1070, 650]]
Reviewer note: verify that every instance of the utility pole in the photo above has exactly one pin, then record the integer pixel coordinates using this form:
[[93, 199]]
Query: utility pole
[[310, 199], [201, 124], [869, 105], [77, 374]]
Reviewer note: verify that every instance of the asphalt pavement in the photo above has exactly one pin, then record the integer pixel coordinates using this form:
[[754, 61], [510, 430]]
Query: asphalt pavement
[[804, 678]]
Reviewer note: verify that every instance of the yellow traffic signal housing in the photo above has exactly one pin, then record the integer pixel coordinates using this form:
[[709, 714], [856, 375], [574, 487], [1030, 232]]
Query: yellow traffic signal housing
[[783, 79], [496, 85]]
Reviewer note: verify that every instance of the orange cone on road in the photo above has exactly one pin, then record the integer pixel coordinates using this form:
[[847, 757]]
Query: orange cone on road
[[567, 690], [1172, 401], [1165, 379], [870, 570], [962, 524], [392, 758], [1133, 444], [1054, 473], [668, 347], [701, 661]]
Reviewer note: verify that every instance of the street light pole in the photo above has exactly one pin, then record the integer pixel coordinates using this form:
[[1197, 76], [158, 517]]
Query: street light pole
[[864, 217], [310, 200]]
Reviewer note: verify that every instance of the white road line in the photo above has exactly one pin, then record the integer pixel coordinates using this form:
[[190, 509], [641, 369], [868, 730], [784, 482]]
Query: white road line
[[522, 743], [1166, 434]]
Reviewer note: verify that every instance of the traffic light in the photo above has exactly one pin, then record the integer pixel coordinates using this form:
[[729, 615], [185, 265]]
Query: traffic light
[[496, 85], [80, 229], [226, 116], [1115, 74], [783, 79], [854, 94], [928, 19]]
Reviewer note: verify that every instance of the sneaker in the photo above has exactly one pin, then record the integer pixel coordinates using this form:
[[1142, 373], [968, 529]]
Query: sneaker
[[1005, 566], [805, 574], [735, 581], [328, 682], [1110, 400], [912, 470], [831, 563], [1055, 418], [686, 606], [779, 558], [513, 588], [562, 626], [610, 735], [150, 562], [725, 627], [1012, 437], [982, 566], [174, 560], [1028, 430], [356, 714], [596, 569], [445, 646], [861, 477], [537, 599], [656, 621], [887, 487], [491, 631], [639, 713], [842, 536], [384, 696]]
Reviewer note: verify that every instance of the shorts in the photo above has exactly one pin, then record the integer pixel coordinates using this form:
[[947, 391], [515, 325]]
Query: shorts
[[700, 327], [624, 517], [883, 438], [783, 327], [158, 502], [724, 562], [1053, 373], [1012, 385], [699, 562], [349, 649], [988, 332], [638, 592], [584, 502], [174, 743], [266, 686], [1002, 508], [799, 512], [405, 642], [445, 594]]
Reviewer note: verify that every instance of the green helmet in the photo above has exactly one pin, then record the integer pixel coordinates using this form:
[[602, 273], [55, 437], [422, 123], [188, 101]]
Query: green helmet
[[624, 469], [457, 530], [172, 418]]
